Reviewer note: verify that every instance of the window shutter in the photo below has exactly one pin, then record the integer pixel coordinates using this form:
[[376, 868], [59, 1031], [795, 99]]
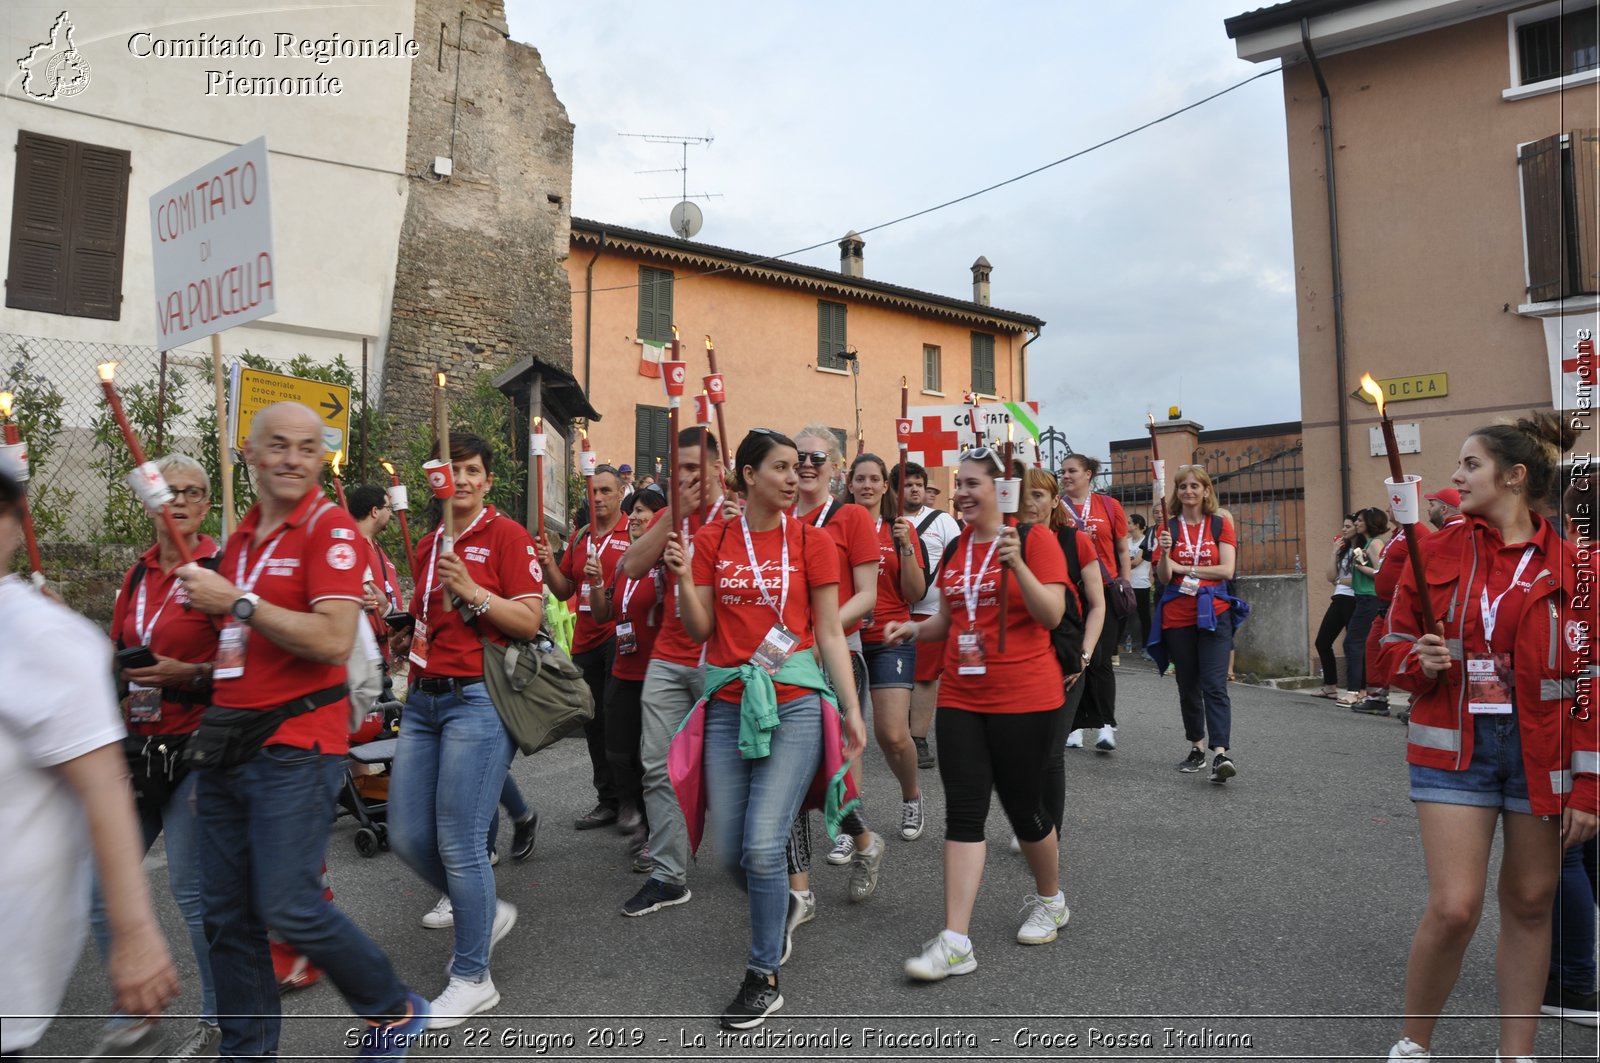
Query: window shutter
[[99, 214], [983, 363], [37, 277], [650, 442], [831, 334], [1541, 167], [655, 304], [1584, 146]]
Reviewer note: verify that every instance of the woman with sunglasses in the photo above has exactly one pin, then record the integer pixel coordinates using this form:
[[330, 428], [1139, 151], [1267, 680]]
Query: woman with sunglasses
[[891, 669], [762, 592], [1104, 519], [633, 608], [998, 710]]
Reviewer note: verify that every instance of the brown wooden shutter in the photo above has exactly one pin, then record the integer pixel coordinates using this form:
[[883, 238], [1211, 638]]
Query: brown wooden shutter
[[1584, 147], [99, 216], [68, 223], [1540, 163], [37, 273]]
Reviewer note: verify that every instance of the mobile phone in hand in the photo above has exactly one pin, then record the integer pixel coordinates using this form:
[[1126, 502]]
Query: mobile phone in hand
[[135, 657]]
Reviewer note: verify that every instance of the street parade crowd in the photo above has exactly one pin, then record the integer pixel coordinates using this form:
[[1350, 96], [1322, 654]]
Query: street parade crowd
[[735, 625]]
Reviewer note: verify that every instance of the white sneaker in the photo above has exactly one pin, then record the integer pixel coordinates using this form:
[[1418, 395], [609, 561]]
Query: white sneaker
[[1406, 1048], [1107, 740], [202, 1041], [802, 909], [442, 915], [1075, 739], [939, 960], [460, 1001], [1043, 921], [1016, 844], [911, 822], [844, 847], [505, 917]]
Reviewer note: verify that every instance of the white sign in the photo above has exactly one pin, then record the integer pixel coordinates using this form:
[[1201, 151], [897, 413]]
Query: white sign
[[1572, 367], [940, 433], [1408, 437], [211, 238]]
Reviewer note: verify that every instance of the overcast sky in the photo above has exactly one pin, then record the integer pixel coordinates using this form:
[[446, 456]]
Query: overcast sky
[[1161, 264]]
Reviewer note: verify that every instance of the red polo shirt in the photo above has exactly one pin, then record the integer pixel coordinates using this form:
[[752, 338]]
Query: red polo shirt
[[588, 635], [171, 629], [500, 558], [315, 555]]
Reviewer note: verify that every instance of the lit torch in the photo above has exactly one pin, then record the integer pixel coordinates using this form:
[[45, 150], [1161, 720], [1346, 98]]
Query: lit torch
[[145, 479], [1158, 472], [587, 464], [716, 389], [400, 503], [17, 451], [1405, 500], [672, 380], [538, 442], [338, 480]]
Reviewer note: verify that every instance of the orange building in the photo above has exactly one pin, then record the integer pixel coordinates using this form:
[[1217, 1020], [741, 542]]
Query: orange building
[[795, 344]]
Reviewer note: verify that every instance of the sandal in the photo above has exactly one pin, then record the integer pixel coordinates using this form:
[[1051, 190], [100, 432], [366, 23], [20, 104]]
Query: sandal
[[1349, 698], [1326, 692]]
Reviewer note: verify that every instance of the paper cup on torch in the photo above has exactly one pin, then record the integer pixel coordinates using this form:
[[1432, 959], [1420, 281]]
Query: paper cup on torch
[[397, 498], [541, 444], [673, 375], [1008, 493], [902, 431], [1405, 498], [150, 486], [441, 479], [714, 388], [588, 462], [14, 460]]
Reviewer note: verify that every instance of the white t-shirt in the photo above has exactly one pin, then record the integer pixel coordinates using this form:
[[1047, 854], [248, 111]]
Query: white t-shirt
[[56, 704], [941, 533], [1139, 574]]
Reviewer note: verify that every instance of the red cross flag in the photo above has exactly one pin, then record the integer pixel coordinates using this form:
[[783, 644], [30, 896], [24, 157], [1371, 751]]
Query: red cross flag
[[939, 432]]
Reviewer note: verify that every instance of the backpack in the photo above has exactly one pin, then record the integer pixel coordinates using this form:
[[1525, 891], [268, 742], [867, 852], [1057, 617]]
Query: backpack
[[1066, 638]]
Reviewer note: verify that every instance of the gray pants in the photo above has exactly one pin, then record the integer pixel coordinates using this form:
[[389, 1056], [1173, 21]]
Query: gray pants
[[670, 691]]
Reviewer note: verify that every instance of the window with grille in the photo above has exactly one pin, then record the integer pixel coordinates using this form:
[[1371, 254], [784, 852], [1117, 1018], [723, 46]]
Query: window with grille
[[1561, 214], [831, 338], [68, 219], [932, 371], [1565, 43], [983, 363], [655, 304]]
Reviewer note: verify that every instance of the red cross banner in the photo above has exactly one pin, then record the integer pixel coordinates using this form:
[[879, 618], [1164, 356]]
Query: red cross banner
[[939, 433]]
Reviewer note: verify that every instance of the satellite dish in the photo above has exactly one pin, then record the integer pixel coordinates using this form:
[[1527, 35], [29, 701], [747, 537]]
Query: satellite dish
[[686, 219]]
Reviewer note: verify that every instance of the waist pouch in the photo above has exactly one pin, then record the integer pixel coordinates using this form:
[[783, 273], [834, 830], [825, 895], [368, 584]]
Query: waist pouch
[[155, 766], [227, 738]]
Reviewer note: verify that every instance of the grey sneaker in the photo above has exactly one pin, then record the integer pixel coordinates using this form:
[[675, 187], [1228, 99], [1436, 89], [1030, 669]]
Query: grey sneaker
[[864, 868], [924, 754], [201, 1043], [844, 847], [911, 822], [802, 909]]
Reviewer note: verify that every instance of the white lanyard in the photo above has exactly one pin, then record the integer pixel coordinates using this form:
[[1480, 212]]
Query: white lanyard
[[1081, 517], [433, 561], [266, 555], [627, 594], [1491, 611], [755, 565], [1189, 544], [969, 590], [716, 507], [822, 514], [139, 626]]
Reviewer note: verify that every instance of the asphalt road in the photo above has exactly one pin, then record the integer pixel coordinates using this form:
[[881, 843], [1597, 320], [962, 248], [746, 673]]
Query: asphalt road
[[1268, 918]]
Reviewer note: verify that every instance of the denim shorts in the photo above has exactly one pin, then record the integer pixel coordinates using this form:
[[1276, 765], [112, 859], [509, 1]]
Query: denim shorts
[[1495, 778], [889, 667]]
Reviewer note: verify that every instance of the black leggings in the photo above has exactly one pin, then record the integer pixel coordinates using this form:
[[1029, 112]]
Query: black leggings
[[1099, 705], [1335, 620], [995, 752], [596, 666], [623, 701]]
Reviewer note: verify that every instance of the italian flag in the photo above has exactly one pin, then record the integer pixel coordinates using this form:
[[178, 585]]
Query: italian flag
[[650, 354]]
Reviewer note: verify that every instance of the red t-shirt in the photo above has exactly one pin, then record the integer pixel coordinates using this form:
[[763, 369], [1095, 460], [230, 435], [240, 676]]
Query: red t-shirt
[[170, 629], [722, 562], [1026, 678], [637, 602], [382, 574], [315, 555], [1103, 518], [673, 644], [891, 605], [851, 528], [588, 635], [1193, 545], [500, 558]]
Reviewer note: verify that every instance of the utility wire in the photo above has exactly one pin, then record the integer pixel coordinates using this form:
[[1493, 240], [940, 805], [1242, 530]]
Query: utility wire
[[970, 195]]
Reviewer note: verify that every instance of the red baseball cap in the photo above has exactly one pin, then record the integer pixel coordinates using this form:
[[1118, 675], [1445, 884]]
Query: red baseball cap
[[1449, 496]]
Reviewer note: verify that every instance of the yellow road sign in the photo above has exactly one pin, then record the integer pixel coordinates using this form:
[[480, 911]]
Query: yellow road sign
[[1406, 388], [253, 390]]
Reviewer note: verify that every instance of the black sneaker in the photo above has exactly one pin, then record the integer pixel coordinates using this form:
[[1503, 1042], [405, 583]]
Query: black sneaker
[[1222, 768], [1580, 1008], [522, 835], [1195, 761], [753, 1003], [924, 754], [1372, 706], [598, 816], [653, 896]]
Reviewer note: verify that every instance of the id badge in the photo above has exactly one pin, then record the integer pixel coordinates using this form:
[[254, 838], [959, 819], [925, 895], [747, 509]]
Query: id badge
[[1189, 587], [627, 641], [1489, 684], [774, 649], [143, 704], [419, 645], [970, 658], [583, 597], [230, 650]]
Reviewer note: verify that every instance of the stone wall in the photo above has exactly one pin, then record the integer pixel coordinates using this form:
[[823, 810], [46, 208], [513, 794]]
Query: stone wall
[[1272, 643], [87, 575], [479, 282]]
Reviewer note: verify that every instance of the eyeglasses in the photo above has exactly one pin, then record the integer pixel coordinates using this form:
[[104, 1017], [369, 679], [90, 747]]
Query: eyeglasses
[[986, 454], [190, 494], [818, 458]]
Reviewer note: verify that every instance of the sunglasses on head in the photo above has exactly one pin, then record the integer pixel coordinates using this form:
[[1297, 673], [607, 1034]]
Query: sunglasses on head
[[986, 454]]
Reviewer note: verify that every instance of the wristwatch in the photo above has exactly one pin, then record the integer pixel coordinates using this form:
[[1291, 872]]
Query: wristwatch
[[244, 607]]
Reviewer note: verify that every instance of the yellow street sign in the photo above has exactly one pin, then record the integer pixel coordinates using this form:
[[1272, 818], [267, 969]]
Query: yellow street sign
[[253, 390], [1406, 388]]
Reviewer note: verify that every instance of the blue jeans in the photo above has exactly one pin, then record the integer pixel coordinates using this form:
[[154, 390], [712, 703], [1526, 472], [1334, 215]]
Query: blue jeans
[[1200, 659], [1572, 963], [180, 823], [1495, 777], [752, 804], [449, 768], [263, 832]]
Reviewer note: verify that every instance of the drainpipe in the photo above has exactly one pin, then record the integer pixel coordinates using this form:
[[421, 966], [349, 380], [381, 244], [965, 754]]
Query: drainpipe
[[1338, 271], [589, 312], [1022, 359]]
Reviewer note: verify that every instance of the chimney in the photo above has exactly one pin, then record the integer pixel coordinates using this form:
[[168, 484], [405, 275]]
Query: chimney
[[980, 281], [851, 264]]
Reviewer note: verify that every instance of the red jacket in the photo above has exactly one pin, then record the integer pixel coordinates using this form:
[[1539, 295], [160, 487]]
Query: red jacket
[[1554, 691]]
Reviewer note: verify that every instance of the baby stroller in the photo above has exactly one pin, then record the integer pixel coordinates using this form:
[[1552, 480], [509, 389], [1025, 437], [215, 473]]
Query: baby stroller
[[365, 793]]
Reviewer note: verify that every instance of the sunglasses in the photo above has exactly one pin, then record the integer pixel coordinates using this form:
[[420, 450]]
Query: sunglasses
[[818, 458], [986, 454]]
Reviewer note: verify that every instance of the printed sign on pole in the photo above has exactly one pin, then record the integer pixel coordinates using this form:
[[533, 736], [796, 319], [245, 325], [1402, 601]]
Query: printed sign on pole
[[253, 390], [938, 433]]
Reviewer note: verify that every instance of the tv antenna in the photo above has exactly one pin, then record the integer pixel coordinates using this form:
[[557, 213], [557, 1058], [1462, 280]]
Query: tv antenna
[[686, 218]]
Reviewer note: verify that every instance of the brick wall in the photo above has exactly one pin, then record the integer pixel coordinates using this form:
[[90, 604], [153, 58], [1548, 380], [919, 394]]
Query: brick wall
[[479, 282]]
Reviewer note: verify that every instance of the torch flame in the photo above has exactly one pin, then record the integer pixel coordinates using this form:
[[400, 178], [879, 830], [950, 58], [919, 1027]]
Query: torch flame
[[708, 342], [338, 460], [441, 377], [6, 399], [387, 467], [107, 370], [536, 422], [674, 332], [1370, 386], [1151, 418]]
